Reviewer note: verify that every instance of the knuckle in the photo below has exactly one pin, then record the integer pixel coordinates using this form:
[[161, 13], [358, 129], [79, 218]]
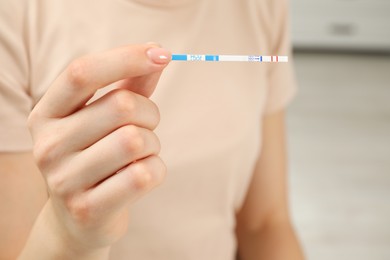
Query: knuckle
[[141, 177], [124, 103], [77, 72], [132, 139], [32, 120], [79, 209], [148, 174], [156, 113], [56, 184], [36, 121], [44, 152], [161, 172], [156, 144]]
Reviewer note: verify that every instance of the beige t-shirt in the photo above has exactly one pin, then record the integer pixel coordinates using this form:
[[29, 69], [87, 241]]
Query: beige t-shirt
[[211, 111]]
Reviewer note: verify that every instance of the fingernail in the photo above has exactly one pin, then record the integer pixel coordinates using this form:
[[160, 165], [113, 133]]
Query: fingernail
[[159, 55]]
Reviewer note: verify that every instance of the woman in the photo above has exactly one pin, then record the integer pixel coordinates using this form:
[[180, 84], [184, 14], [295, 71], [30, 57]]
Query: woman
[[80, 188]]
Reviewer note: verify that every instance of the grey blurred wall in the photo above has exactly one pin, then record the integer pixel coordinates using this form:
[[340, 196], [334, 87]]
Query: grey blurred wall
[[341, 24], [339, 128]]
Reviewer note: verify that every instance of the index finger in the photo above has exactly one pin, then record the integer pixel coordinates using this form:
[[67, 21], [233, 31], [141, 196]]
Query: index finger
[[84, 76]]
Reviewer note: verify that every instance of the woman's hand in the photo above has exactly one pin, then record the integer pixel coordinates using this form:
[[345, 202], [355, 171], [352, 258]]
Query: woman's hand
[[98, 158]]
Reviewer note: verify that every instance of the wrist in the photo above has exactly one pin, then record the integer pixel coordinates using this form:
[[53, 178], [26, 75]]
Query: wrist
[[48, 241]]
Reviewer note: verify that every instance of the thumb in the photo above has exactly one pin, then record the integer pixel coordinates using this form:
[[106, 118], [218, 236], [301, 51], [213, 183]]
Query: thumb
[[146, 84]]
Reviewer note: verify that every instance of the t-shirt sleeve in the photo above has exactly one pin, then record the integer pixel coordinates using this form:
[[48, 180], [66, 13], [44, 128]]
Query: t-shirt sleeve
[[281, 78], [15, 101]]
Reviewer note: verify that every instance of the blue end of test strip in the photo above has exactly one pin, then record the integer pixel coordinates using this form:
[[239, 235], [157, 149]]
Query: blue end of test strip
[[179, 57]]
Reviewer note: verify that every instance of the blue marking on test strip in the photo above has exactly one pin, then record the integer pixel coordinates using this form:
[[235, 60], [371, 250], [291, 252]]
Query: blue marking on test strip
[[212, 58], [209, 57], [179, 57], [261, 58]]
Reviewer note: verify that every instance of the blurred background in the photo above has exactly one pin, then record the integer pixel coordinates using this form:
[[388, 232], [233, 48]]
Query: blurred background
[[339, 128]]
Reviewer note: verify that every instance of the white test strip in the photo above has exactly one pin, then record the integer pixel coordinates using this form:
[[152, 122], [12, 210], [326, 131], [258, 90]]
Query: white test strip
[[248, 58]]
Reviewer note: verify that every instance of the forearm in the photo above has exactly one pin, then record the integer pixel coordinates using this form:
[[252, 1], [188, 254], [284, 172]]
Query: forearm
[[271, 242]]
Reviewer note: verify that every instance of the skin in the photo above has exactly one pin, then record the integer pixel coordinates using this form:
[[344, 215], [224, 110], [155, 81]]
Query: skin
[[77, 189], [264, 229]]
